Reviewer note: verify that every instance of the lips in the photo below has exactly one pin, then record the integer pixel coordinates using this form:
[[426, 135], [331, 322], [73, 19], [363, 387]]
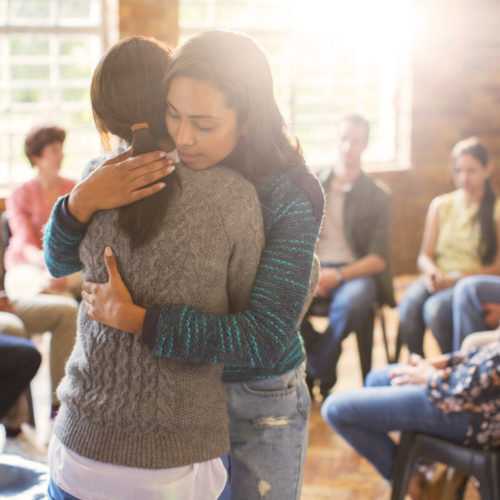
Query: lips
[[187, 157]]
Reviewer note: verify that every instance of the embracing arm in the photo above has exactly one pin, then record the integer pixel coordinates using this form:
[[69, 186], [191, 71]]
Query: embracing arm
[[117, 182], [256, 337], [61, 241]]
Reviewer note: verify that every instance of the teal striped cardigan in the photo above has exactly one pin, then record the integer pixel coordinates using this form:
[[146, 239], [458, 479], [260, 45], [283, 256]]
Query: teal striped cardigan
[[264, 340]]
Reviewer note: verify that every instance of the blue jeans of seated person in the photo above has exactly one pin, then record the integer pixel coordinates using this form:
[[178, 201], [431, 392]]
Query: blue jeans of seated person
[[349, 305], [19, 362], [268, 431], [418, 310], [468, 297], [365, 416]]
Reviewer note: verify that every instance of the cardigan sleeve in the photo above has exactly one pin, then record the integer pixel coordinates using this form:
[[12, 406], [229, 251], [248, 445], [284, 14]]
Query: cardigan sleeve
[[63, 234], [62, 237], [256, 337]]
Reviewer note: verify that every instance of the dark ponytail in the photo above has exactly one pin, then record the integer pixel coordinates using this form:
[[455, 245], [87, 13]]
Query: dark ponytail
[[485, 215], [127, 90], [142, 219]]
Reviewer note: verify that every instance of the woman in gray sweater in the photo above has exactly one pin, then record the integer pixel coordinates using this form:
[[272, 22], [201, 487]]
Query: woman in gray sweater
[[132, 425]]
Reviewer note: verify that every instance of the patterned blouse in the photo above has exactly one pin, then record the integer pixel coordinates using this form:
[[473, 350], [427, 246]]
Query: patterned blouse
[[471, 384]]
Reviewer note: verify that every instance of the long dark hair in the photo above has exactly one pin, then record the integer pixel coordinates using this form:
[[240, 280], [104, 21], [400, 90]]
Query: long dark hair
[[488, 242], [235, 65], [127, 89]]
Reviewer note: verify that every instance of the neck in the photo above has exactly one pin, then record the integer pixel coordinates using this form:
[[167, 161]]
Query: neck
[[473, 197], [47, 181], [346, 174]]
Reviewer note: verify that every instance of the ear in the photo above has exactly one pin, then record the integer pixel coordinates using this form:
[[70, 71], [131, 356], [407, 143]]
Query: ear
[[488, 170]]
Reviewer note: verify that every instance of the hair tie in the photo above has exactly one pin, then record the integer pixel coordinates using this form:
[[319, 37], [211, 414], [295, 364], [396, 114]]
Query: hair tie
[[137, 126]]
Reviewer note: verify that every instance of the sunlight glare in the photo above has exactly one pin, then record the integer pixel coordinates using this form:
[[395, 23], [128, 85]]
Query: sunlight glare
[[364, 25]]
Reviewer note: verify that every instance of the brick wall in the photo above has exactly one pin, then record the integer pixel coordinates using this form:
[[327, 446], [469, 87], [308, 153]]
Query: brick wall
[[456, 93], [156, 18]]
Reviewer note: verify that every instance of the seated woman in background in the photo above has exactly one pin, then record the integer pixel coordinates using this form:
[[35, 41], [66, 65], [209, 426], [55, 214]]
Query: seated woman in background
[[29, 207], [460, 238], [453, 396]]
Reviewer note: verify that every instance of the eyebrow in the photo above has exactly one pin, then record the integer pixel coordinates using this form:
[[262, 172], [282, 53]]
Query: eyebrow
[[212, 117]]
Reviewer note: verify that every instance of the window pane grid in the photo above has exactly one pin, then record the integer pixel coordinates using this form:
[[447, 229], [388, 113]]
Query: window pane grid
[[319, 79], [48, 49], [44, 13]]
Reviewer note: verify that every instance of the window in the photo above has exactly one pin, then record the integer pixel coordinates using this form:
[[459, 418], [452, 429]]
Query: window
[[329, 58], [48, 50]]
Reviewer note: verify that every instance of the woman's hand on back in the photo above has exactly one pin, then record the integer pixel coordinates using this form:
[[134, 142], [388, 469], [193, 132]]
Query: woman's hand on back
[[118, 182], [111, 303]]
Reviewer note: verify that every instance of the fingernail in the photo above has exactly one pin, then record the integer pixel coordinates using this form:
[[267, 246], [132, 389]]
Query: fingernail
[[108, 252], [163, 154]]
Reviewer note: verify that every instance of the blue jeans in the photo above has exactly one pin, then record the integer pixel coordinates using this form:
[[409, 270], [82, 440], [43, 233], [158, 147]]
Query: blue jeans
[[469, 296], [268, 431], [418, 310], [56, 493], [349, 306], [19, 362], [365, 416]]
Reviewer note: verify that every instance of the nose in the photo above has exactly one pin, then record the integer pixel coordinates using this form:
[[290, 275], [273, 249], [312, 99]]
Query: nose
[[185, 136]]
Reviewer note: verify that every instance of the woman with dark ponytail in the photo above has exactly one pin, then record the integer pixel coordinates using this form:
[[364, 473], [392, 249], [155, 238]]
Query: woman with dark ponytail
[[132, 425], [219, 83], [461, 238]]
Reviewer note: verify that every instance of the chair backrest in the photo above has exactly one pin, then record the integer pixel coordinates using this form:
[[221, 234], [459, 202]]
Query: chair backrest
[[482, 464]]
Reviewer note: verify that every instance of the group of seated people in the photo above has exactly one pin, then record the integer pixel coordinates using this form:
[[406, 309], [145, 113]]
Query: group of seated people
[[455, 395]]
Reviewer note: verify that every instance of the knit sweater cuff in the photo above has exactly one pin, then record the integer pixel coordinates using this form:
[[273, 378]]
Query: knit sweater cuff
[[68, 220], [149, 327]]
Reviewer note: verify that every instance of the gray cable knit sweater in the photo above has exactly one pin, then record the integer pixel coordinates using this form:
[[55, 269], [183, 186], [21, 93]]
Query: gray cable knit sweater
[[121, 404]]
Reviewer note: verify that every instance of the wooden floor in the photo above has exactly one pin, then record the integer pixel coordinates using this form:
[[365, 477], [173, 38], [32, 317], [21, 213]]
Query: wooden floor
[[333, 470]]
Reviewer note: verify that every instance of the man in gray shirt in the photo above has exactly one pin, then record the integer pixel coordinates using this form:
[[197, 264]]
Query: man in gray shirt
[[354, 250]]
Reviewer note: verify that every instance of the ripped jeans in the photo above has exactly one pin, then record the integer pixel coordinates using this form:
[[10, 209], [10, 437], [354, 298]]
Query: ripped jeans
[[268, 431]]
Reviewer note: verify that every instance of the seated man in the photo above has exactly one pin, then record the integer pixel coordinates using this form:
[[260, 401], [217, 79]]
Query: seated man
[[354, 250], [476, 306]]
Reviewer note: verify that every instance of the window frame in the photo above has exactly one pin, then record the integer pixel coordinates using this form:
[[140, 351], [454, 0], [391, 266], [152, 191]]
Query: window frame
[[401, 158], [105, 31]]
